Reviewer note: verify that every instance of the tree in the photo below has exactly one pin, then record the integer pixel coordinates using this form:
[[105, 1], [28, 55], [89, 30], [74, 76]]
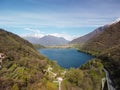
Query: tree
[[75, 76]]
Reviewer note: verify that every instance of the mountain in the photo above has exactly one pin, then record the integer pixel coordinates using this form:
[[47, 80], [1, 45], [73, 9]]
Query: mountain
[[106, 46], [93, 34], [34, 40], [85, 38], [48, 40], [21, 66], [108, 39], [52, 41], [114, 22]]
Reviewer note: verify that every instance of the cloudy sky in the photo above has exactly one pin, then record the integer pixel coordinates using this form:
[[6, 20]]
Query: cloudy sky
[[63, 18]]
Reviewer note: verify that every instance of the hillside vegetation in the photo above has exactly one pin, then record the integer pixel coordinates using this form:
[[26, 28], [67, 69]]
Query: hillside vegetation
[[23, 67], [38, 46], [106, 46], [87, 77], [83, 39]]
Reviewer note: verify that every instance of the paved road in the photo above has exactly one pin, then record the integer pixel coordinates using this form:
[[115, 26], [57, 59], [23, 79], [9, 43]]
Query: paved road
[[103, 83], [109, 82]]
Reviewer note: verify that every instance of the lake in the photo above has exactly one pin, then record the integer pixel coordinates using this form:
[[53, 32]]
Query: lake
[[66, 58]]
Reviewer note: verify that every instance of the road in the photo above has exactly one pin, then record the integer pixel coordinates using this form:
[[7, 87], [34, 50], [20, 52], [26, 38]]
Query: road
[[59, 81], [109, 82]]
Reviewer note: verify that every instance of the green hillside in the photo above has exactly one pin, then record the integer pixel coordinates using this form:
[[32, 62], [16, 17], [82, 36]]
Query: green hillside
[[106, 46], [22, 68], [87, 77]]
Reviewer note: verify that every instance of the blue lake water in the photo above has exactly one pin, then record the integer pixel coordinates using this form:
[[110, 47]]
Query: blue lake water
[[66, 58]]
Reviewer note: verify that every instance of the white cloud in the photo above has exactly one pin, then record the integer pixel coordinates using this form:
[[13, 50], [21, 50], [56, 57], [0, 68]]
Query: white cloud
[[34, 33], [67, 19], [32, 30], [37, 34]]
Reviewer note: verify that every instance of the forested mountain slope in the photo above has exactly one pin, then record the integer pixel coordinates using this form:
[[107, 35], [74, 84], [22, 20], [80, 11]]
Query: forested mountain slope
[[21, 65], [87, 37], [107, 47]]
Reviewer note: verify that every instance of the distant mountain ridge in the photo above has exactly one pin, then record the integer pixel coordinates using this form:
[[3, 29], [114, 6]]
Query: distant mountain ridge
[[48, 40], [89, 36]]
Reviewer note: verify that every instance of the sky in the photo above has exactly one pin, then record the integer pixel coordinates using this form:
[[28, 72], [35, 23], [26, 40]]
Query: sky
[[62, 18]]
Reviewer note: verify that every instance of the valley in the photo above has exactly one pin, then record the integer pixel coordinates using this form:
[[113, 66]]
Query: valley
[[59, 45], [103, 43], [24, 68], [90, 62]]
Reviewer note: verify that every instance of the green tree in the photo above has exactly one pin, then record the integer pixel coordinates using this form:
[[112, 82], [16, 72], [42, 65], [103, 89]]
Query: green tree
[[75, 76]]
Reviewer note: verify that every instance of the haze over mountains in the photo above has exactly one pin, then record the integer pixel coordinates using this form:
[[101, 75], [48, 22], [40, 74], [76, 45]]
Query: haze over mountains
[[47, 40]]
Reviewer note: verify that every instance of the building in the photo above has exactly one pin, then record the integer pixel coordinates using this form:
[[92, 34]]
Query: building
[[2, 56]]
